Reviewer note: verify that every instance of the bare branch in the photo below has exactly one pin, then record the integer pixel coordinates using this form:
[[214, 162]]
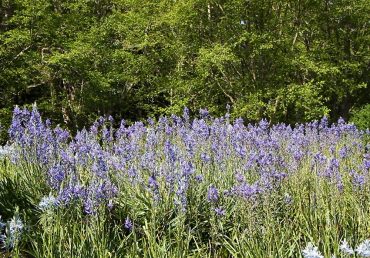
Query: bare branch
[[21, 53]]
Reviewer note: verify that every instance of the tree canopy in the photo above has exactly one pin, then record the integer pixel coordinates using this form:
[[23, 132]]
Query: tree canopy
[[288, 61]]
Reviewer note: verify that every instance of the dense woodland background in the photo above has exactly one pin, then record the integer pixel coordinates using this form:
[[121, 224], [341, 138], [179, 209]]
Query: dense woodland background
[[288, 60]]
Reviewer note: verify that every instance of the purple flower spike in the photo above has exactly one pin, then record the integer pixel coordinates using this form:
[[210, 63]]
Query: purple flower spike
[[212, 194], [152, 182], [128, 224], [220, 211]]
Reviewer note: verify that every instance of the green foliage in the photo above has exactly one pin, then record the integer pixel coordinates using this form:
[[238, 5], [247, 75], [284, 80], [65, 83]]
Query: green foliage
[[5, 117], [286, 61], [361, 117]]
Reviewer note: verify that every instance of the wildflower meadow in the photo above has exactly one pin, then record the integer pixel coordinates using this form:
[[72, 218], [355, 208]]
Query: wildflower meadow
[[184, 187]]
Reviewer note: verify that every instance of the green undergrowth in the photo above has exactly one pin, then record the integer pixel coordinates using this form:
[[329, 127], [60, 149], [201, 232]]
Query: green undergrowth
[[303, 208]]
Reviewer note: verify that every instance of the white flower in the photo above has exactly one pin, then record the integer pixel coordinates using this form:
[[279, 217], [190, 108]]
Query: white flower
[[345, 248], [311, 251], [15, 225], [364, 248], [288, 198], [47, 202], [13, 233], [5, 150]]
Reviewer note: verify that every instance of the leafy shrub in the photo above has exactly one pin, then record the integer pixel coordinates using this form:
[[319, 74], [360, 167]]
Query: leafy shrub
[[361, 117]]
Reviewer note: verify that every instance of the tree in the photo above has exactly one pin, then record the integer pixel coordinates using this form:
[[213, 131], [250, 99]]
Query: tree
[[288, 61]]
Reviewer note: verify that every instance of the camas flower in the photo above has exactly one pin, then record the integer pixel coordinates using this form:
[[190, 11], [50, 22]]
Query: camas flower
[[288, 198], [5, 151], [199, 178], [152, 182], [212, 194], [13, 233], [311, 251], [128, 224], [363, 249], [203, 113], [220, 211], [15, 225], [48, 202], [345, 248]]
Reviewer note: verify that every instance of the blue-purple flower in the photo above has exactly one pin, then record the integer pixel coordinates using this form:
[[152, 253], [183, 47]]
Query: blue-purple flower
[[212, 195], [128, 224]]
